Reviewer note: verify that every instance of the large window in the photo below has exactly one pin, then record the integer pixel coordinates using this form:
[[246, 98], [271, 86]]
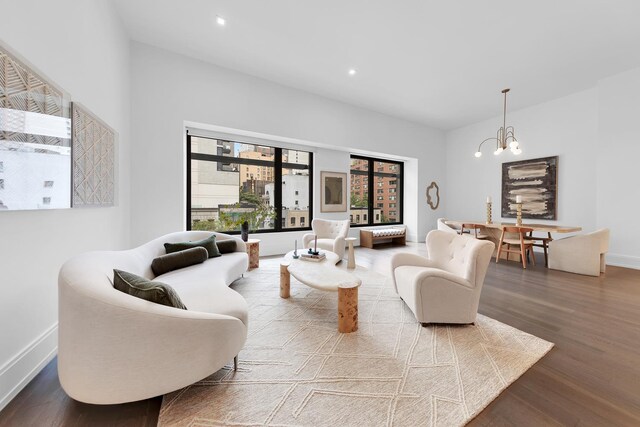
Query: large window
[[376, 191], [231, 182]]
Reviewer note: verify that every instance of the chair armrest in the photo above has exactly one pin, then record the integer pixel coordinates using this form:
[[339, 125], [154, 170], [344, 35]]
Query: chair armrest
[[339, 242], [306, 239], [450, 278], [405, 258]]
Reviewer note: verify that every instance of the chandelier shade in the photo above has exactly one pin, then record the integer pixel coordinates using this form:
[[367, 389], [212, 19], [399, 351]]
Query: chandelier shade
[[505, 137]]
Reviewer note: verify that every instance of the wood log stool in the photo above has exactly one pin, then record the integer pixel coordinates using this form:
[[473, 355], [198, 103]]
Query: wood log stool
[[285, 280], [348, 307]]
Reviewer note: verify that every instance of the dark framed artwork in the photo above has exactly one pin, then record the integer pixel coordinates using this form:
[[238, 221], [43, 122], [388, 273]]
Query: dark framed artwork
[[333, 191], [536, 181]]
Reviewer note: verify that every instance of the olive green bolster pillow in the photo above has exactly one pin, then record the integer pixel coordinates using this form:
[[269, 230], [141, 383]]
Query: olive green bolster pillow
[[227, 246], [209, 244], [157, 292], [173, 261]]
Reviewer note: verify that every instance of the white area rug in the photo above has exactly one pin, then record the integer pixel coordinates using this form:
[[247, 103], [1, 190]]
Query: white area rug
[[296, 369]]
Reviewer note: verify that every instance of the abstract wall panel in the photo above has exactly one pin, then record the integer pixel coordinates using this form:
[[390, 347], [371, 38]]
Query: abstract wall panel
[[536, 180], [93, 159], [35, 144]]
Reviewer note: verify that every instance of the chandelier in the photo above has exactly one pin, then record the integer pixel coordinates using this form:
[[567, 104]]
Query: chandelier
[[506, 135]]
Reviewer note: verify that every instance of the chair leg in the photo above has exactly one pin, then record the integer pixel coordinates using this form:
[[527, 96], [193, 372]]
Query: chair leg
[[546, 256], [523, 257], [533, 255], [499, 252]]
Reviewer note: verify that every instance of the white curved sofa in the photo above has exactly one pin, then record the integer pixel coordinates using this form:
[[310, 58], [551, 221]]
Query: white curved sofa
[[116, 348]]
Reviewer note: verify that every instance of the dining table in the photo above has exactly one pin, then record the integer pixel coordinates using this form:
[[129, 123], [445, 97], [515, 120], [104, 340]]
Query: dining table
[[494, 229]]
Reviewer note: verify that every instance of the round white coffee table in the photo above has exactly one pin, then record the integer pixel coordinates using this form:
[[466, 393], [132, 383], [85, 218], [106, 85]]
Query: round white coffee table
[[325, 276]]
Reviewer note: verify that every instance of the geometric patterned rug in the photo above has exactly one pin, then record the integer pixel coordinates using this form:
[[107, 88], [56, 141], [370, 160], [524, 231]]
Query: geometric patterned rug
[[296, 369]]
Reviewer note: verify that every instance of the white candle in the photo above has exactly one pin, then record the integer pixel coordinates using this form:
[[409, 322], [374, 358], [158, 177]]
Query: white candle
[[518, 199], [489, 199]]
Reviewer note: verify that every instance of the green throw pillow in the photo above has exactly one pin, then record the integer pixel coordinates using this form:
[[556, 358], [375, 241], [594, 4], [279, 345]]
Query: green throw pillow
[[209, 244], [169, 262], [139, 287], [227, 246]]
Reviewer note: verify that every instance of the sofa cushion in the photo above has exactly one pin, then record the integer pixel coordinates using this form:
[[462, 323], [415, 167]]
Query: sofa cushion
[[203, 287], [209, 244], [176, 260], [139, 287], [388, 232], [227, 246]]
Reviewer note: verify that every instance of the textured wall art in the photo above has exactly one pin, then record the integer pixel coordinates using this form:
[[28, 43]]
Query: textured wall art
[[35, 139], [536, 180], [93, 159]]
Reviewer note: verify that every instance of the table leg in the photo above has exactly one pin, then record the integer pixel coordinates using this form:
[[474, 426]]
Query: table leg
[[351, 263], [347, 307], [285, 281]]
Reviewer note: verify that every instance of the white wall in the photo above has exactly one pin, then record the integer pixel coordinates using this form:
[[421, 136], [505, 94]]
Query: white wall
[[618, 154], [169, 89], [82, 47], [592, 132]]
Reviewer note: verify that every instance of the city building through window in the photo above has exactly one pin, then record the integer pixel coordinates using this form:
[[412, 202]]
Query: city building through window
[[385, 205], [230, 182]]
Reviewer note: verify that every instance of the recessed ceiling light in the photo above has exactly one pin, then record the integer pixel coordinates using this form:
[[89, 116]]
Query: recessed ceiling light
[[352, 72], [221, 21]]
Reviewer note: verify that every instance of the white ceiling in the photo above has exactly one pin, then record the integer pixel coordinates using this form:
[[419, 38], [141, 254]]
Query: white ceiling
[[438, 62]]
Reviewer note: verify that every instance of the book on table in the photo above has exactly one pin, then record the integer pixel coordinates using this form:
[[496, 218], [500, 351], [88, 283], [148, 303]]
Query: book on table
[[313, 257]]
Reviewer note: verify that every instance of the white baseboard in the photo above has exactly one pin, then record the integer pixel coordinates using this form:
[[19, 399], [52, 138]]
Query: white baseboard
[[17, 372], [623, 261]]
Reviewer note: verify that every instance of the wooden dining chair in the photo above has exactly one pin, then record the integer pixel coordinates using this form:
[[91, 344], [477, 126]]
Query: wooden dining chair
[[541, 242], [524, 245], [476, 230]]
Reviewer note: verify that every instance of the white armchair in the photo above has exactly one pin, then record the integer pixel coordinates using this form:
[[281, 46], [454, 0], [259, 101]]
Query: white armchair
[[581, 254], [444, 288], [442, 226], [331, 235]]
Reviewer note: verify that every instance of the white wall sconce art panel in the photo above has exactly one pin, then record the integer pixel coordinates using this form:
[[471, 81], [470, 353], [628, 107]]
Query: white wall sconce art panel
[[93, 159], [35, 139]]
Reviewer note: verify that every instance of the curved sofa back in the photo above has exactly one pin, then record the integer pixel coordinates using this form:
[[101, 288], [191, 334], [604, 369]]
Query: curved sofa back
[[91, 273]]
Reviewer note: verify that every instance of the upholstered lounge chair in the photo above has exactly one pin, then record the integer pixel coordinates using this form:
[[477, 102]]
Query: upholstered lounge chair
[[444, 288], [581, 254], [331, 235]]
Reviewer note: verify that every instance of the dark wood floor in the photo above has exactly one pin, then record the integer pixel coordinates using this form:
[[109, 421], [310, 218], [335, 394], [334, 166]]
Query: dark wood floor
[[590, 378]]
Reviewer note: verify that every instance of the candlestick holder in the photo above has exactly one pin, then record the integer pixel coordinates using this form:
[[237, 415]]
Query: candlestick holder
[[314, 250], [488, 212], [519, 214], [295, 251]]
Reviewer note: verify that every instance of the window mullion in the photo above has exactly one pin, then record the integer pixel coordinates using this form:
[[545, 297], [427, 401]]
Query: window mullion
[[277, 186], [370, 193]]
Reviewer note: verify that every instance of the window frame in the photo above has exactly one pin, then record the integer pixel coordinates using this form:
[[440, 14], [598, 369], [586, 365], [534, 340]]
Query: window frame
[[277, 165], [372, 197]]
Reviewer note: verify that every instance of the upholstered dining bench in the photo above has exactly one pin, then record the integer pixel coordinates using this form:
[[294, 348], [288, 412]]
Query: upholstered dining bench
[[369, 237]]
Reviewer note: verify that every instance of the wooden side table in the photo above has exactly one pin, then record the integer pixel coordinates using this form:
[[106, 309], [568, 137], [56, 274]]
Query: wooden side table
[[253, 249], [348, 307], [351, 263]]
